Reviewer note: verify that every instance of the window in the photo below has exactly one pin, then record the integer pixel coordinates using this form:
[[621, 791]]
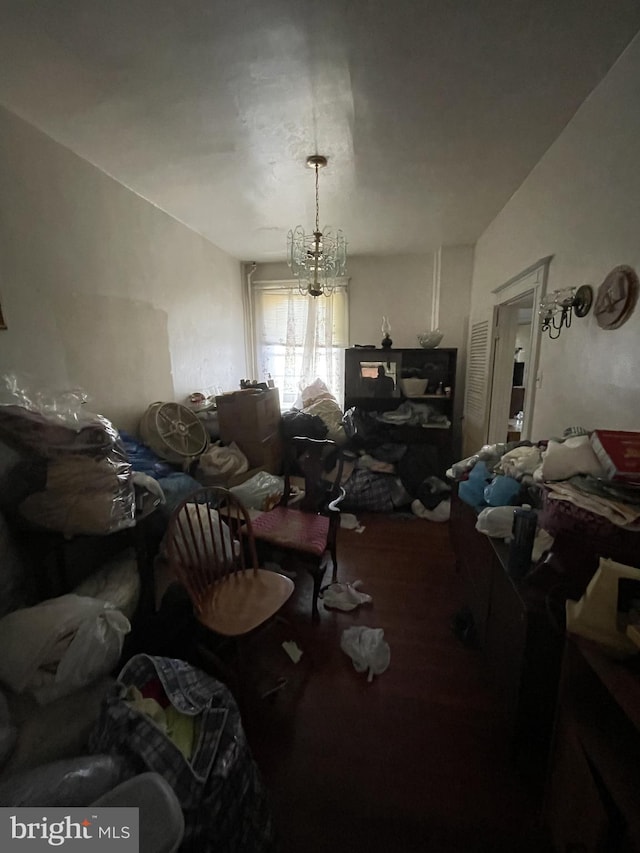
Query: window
[[298, 339]]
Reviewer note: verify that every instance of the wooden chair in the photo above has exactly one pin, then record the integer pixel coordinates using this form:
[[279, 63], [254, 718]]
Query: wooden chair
[[307, 528], [210, 547]]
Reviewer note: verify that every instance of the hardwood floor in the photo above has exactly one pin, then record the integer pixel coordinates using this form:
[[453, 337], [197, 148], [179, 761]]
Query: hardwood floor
[[415, 760]]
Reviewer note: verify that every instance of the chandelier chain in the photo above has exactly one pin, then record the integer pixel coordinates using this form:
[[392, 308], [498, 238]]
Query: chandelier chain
[[317, 201]]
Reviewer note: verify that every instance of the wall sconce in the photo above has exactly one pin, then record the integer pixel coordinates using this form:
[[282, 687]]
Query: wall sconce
[[557, 308]]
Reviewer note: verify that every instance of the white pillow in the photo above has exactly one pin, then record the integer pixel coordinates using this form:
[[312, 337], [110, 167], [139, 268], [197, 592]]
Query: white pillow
[[564, 459]]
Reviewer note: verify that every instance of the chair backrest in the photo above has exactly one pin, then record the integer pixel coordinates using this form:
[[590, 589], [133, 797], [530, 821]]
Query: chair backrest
[[209, 539], [310, 457]]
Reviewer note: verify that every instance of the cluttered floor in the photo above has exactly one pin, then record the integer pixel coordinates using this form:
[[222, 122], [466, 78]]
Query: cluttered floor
[[416, 759]]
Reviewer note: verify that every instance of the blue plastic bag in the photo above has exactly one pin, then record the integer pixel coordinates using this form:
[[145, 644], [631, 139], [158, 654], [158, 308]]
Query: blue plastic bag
[[501, 491], [471, 491], [144, 459], [176, 488]]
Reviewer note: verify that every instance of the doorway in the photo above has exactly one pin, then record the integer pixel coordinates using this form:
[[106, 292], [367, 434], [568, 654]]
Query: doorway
[[514, 357], [521, 356], [514, 322]]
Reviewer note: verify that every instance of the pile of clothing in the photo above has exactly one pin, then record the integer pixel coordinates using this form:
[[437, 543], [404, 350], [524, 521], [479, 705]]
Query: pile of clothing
[[73, 473], [561, 477]]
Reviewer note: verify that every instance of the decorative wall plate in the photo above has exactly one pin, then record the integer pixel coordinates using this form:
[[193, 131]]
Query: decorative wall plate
[[616, 297]]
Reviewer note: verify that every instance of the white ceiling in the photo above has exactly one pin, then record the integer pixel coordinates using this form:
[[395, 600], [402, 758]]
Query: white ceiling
[[431, 112]]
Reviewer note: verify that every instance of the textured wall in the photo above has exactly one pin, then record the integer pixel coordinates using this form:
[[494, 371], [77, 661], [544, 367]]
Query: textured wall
[[104, 291], [580, 204]]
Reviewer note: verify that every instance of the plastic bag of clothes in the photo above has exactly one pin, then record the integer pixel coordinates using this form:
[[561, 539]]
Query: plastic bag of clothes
[[312, 393], [367, 491], [60, 645], [316, 399], [331, 414], [143, 458], [496, 521], [102, 781], [222, 461], [67, 783], [263, 491], [89, 487], [208, 765]]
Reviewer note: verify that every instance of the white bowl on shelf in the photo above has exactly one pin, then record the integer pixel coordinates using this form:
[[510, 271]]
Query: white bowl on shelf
[[429, 340], [413, 387]]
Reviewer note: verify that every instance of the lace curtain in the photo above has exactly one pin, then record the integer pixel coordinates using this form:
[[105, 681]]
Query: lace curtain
[[298, 338]]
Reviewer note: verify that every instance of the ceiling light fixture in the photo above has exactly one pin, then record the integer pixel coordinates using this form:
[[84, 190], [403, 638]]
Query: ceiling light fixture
[[556, 308], [317, 260]]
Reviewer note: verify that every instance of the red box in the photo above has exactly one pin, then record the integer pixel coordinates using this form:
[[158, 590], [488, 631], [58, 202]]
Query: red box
[[619, 453]]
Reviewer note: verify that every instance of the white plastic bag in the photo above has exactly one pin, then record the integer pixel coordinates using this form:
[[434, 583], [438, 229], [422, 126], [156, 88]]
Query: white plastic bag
[[36, 641], [367, 649], [496, 521], [262, 491], [223, 461], [344, 596], [95, 649]]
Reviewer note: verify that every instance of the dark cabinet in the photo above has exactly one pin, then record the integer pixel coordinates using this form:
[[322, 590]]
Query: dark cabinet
[[475, 564], [381, 380], [505, 648], [520, 643]]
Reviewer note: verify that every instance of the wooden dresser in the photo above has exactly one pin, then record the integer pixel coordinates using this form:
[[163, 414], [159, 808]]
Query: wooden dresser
[[520, 642], [591, 802], [251, 418]]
